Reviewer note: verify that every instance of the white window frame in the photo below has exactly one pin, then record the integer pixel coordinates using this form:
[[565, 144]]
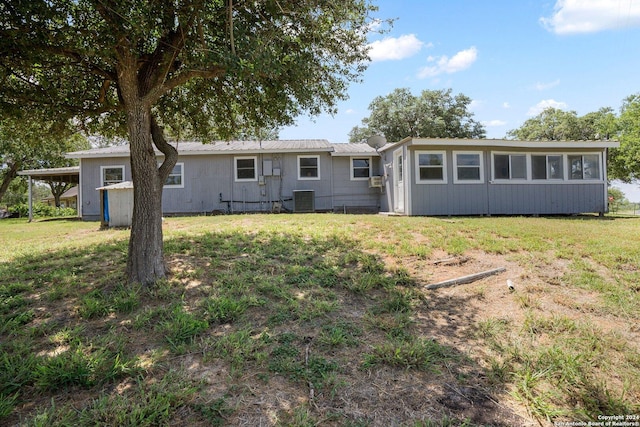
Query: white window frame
[[103, 182], [444, 167], [527, 162], [566, 172], [546, 156], [567, 165], [353, 168], [255, 168], [309, 178], [480, 166], [181, 185]]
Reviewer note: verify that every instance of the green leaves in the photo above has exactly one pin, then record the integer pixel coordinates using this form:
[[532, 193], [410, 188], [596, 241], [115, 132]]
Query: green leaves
[[206, 65], [433, 114]]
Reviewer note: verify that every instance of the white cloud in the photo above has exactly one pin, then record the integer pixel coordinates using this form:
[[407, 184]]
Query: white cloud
[[494, 123], [475, 104], [544, 104], [393, 48], [546, 86], [445, 65], [506, 105], [589, 16], [350, 111], [374, 25]]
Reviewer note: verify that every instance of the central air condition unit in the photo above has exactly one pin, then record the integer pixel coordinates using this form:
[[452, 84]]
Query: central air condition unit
[[375, 182], [304, 201]]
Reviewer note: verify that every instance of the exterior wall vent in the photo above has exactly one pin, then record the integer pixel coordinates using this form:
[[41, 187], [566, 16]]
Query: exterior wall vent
[[304, 201]]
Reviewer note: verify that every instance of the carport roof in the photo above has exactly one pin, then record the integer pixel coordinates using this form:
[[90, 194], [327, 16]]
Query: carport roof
[[69, 174]]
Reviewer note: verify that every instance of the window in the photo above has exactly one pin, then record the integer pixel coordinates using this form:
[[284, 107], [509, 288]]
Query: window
[[584, 166], [509, 166], [468, 167], [308, 167], [111, 174], [245, 168], [430, 167], [360, 168], [176, 177], [546, 167]]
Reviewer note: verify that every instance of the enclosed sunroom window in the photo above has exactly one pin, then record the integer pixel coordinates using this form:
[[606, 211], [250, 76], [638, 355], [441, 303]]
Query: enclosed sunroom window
[[546, 167], [509, 166], [585, 166]]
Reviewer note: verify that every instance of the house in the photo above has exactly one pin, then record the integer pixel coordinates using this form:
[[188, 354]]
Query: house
[[495, 177], [245, 176], [414, 176], [68, 199]]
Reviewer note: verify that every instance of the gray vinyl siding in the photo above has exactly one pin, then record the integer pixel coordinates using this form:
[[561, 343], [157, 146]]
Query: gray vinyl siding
[[91, 179], [446, 199], [514, 199], [204, 179], [210, 185], [501, 198], [353, 195]]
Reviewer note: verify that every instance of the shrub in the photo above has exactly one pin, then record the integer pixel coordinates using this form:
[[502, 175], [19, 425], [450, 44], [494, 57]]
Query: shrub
[[42, 210]]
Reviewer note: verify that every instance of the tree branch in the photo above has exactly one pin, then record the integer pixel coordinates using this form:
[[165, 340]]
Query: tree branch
[[181, 79], [169, 151]]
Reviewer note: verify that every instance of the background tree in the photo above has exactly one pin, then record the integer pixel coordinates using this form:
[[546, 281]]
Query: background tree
[[624, 161], [599, 125], [554, 124], [33, 143], [57, 159], [433, 114], [132, 67]]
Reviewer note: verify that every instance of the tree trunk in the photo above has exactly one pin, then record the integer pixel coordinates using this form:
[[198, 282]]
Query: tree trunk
[[145, 263], [57, 190], [9, 176]]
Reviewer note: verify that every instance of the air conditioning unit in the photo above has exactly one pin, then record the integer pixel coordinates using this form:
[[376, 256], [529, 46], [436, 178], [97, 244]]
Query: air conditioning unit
[[304, 201], [375, 182]]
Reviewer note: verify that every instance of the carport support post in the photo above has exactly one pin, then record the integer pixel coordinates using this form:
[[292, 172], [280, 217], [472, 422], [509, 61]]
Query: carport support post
[[30, 201]]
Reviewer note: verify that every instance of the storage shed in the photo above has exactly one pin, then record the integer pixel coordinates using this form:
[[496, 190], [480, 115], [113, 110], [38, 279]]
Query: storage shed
[[116, 204]]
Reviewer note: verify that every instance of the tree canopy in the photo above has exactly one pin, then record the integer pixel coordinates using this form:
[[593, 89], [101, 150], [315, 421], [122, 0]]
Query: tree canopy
[[433, 114], [554, 124], [195, 67], [28, 143], [625, 161]]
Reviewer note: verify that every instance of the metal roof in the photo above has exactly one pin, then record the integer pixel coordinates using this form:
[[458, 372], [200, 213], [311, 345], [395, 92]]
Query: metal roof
[[353, 149], [503, 143], [72, 192], [124, 185], [69, 174], [189, 148]]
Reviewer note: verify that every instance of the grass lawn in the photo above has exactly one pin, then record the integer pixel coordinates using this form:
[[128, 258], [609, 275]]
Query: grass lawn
[[322, 319]]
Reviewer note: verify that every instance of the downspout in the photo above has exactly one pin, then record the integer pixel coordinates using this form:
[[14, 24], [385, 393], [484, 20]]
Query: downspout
[[231, 183], [79, 204], [407, 176], [331, 174], [487, 179], [30, 201], [606, 181]]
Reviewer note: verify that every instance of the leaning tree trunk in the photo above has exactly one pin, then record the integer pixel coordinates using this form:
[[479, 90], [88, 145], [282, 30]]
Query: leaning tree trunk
[[145, 263], [10, 175]]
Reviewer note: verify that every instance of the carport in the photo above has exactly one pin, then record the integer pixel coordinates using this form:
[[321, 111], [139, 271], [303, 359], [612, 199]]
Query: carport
[[69, 175]]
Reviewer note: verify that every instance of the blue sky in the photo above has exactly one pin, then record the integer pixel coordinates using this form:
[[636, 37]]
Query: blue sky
[[513, 58]]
